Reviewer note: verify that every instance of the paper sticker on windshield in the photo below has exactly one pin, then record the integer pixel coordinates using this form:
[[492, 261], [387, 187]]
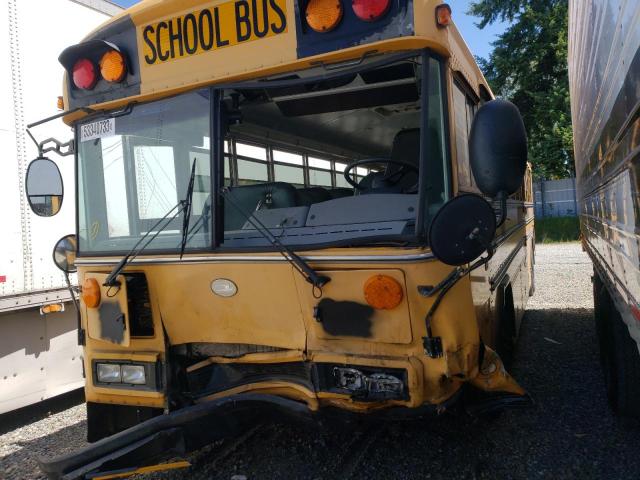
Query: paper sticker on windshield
[[99, 129]]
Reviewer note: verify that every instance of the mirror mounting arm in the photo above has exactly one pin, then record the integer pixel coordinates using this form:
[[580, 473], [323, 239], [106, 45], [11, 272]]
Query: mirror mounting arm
[[62, 149], [58, 147], [433, 345], [502, 198]]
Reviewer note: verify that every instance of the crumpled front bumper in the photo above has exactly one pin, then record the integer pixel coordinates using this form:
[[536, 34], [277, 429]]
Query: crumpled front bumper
[[167, 436], [182, 431]]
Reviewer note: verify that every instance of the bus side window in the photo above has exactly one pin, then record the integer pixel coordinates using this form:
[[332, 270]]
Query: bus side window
[[251, 161], [464, 110]]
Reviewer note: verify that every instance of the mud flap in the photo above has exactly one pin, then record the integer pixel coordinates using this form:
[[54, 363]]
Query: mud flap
[[494, 389]]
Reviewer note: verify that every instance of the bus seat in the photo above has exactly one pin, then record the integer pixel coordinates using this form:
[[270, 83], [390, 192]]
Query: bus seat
[[406, 148], [308, 196], [250, 197]]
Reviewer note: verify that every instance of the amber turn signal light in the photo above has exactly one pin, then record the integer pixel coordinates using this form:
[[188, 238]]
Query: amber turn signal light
[[91, 292], [443, 15], [323, 15], [383, 292], [112, 66]]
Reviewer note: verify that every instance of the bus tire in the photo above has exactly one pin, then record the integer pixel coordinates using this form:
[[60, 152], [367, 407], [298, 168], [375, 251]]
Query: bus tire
[[601, 311], [624, 387], [532, 287], [505, 340]]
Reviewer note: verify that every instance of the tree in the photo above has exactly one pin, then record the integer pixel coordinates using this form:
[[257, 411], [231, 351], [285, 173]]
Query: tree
[[528, 66]]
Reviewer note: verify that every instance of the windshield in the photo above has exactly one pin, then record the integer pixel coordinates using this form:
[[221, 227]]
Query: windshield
[[335, 161], [134, 168], [356, 159]]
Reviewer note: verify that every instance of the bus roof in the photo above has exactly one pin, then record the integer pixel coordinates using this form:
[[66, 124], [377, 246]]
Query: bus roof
[[176, 45]]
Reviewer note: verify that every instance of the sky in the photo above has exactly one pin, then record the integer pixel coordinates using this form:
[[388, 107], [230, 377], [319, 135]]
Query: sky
[[479, 41]]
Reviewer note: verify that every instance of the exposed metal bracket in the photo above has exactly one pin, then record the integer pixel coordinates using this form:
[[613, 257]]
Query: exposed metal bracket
[[346, 63], [62, 149], [432, 346]]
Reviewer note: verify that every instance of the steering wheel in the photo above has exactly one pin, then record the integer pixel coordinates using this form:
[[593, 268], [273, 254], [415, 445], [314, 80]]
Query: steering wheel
[[391, 178]]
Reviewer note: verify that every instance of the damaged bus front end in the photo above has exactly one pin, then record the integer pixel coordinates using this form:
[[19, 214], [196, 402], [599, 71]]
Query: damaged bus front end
[[344, 236]]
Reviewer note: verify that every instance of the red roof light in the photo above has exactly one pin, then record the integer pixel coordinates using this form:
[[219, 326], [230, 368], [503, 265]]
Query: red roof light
[[370, 10], [85, 75]]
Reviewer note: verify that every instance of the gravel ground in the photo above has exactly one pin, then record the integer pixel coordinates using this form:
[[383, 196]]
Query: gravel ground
[[570, 433]]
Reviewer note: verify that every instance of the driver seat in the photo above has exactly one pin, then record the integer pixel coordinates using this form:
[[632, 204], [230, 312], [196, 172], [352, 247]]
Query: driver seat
[[406, 148]]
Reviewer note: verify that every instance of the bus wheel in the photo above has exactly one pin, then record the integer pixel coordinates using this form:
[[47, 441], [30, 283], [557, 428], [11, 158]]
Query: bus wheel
[[505, 340], [624, 376], [601, 308], [532, 287]]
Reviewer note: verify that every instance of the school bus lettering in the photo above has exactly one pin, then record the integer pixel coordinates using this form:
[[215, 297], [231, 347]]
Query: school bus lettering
[[224, 25]]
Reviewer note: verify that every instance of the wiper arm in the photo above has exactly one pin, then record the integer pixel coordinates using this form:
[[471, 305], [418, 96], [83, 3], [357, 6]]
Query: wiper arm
[[309, 274], [187, 209], [135, 251], [181, 206], [202, 220]]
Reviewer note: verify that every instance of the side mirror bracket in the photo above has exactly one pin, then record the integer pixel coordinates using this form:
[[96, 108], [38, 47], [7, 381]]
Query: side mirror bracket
[[502, 213]]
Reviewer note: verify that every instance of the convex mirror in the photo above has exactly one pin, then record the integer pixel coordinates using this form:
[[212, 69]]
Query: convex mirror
[[64, 254], [44, 187], [462, 229], [498, 148]]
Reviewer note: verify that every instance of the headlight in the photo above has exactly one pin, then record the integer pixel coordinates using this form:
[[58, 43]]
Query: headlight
[[133, 374], [108, 372]]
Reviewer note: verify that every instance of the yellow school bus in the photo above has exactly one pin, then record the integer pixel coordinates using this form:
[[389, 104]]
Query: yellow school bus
[[293, 206]]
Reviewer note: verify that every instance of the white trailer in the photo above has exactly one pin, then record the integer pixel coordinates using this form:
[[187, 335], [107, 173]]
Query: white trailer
[[39, 353]]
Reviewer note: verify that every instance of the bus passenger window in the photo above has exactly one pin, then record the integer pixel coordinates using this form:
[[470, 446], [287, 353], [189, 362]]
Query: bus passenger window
[[227, 163], [463, 111], [319, 172], [436, 178], [251, 172], [340, 180], [288, 173]]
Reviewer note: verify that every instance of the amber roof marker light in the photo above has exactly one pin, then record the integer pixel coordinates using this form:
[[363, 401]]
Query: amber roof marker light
[[443, 15], [323, 15]]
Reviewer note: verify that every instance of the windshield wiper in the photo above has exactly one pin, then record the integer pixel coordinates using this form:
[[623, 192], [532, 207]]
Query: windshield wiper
[[135, 251], [308, 273], [181, 206], [187, 209]]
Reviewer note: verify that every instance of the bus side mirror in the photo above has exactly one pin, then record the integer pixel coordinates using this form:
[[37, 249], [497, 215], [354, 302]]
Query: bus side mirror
[[64, 253], [498, 150], [44, 187], [462, 229]]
